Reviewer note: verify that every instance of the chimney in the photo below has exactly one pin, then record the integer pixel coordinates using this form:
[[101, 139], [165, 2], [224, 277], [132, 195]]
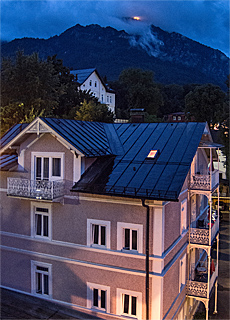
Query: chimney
[[137, 115]]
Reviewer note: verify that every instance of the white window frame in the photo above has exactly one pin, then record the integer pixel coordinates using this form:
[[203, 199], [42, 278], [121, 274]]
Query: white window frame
[[106, 224], [182, 272], [34, 265], [120, 306], [184, 210], [99, 287], [121, 226], [49, 155], [48, 206]]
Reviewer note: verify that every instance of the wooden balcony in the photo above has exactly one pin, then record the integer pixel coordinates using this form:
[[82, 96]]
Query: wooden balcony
[[205, 182], [202, 235], [35, 189]]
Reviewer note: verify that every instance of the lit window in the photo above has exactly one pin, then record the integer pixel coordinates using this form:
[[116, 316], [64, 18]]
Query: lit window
[[179, 118], [152, 154], [40, 217], [174, 118], [98, 233], [98, 297], [129, 303], [41, 278], [184, 215], [129, 237]]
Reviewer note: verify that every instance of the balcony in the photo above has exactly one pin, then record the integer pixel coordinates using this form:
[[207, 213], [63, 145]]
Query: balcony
[[205, 182], [201, 236], [35, 189], [200, 287]]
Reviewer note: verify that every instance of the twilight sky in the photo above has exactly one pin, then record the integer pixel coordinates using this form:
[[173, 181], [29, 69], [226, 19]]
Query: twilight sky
[[206, 21]]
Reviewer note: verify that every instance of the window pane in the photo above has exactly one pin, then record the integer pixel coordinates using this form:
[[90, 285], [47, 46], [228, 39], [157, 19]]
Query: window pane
[[46, 168], [45, 226], [42, 268], [46, 284], [42, 210], [134, 239], [95, 297], [38, 168], [38, 283], [126, 303], [103, 299], [96, 233], [103, 235], [38, 224], [127, 239], [134, 306], [56, 167]]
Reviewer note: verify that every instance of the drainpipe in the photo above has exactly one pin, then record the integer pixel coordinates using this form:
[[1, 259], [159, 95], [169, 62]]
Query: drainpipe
[[147, 259]]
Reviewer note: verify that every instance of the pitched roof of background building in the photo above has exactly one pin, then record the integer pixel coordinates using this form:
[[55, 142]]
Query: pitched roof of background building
[[83, 75], [123, 167]]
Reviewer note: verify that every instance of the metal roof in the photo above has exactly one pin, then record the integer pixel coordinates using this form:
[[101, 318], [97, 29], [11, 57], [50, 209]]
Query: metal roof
[[86, 136], [8, 161], [132, 174], [11, 133], [83, 74]]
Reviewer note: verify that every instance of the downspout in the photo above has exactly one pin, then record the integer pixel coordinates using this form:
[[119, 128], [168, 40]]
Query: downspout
[[147, 259]]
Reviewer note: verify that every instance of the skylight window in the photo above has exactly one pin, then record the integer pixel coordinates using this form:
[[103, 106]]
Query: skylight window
[[153, 154]]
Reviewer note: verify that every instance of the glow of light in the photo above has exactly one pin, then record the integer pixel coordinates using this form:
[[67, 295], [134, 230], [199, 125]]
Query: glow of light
[[152, 154], [136, 18]]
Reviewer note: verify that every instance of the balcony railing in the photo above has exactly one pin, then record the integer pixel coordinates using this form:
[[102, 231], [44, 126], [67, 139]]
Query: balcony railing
[[202, 236], [205, 182], [35, 189]]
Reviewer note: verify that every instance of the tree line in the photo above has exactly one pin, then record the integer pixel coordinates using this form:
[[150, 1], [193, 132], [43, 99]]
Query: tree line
[[31, 87]]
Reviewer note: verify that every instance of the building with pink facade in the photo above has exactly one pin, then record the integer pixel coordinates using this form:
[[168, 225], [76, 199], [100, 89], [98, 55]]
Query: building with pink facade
[[115, 220]]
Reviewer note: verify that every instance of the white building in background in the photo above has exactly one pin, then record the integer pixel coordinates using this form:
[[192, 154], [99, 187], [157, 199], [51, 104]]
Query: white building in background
[[89, 79]]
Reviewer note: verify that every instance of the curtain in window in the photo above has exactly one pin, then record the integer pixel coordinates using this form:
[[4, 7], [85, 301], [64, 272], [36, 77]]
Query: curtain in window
[[38, 224], [56, 172]]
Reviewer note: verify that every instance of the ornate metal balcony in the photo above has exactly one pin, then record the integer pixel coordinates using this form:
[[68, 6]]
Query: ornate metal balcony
[[35, 189], [205, 182], [197, 289], [201, 235]]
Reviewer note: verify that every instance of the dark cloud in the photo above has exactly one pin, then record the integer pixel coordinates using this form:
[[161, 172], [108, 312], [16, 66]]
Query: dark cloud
[[206, 21]]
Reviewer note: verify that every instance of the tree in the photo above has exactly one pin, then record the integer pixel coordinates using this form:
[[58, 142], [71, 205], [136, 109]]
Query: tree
[[29, 85], [138, 90], [173, 99], [206, 103], [90, 111]]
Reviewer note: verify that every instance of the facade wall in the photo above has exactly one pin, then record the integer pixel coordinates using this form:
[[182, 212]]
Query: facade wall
[[94, 84]]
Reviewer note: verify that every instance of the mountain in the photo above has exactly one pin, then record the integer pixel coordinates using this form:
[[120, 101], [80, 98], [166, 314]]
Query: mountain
[[172, 57]]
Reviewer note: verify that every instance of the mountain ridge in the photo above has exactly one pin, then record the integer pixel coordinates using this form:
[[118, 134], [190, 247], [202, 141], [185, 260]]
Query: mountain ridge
[[172, 57]]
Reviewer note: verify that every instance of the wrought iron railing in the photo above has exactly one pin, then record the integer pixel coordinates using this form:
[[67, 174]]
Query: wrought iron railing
[[205, 182], [197, 289], [35, 189], [201, 235]]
